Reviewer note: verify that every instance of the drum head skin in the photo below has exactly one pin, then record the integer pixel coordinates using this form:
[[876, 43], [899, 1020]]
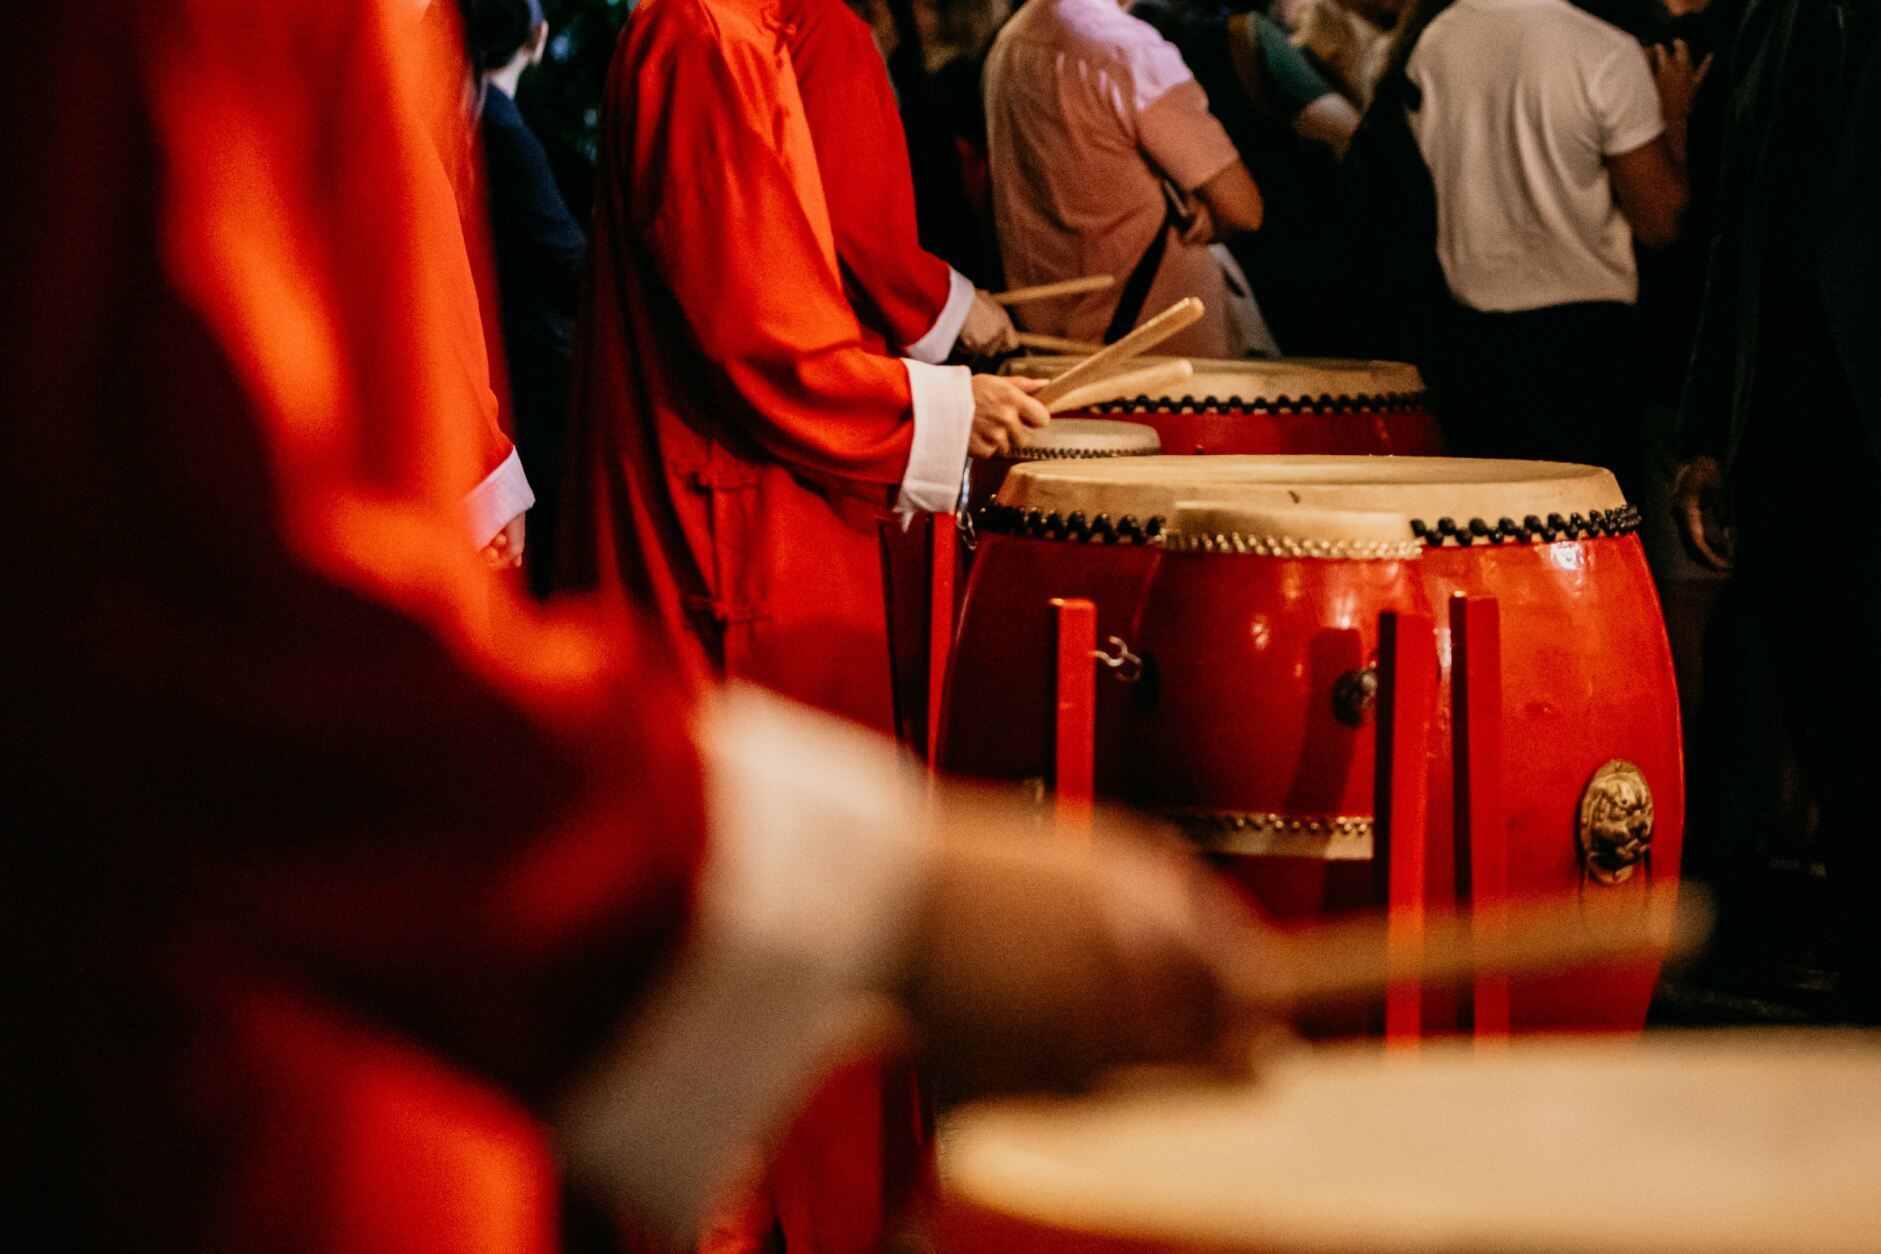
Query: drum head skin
[[1074, 438], [1424, 489], [1253, 382], [1292, 532], [1690, 1143]]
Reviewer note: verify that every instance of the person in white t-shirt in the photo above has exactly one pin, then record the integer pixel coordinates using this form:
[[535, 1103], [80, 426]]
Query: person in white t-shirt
[[1553, 143]]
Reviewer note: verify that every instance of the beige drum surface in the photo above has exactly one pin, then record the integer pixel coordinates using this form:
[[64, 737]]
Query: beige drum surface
[[1290, 377], [1074, 438], [1708, 1143], [1425, 488]]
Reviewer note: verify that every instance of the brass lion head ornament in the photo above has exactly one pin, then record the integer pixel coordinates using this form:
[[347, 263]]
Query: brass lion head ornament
[[1615, 822]]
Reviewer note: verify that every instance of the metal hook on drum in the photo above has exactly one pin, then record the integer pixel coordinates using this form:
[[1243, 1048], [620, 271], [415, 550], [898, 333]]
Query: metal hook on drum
[[969, 533], [1355, 695], [1125, 666], [963, 512]]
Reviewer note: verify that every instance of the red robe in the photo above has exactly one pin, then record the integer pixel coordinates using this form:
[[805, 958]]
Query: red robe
[[332, 857], [898, 289], [739, 436]]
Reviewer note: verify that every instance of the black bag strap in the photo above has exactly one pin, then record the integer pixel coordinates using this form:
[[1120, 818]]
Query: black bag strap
[[1136, 288]]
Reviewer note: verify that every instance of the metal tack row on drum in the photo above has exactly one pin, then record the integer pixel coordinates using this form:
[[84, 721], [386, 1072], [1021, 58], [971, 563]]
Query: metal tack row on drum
[[1246, 594]]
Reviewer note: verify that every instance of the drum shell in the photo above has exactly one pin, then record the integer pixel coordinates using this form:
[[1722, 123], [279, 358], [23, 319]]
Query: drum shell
[[1408, 429], [996, 720], [1586, 678], [1241, 709]]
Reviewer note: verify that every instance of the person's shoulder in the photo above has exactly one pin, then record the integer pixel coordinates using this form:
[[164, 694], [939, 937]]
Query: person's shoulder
[[1453, 22], [1127, 41], [1092, 30], [827, 23], [1590, 33], [681, 27], [501, 125], [498, 110]]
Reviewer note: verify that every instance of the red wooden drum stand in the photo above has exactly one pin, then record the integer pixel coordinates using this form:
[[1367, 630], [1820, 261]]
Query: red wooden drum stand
[[1569, 778], [1289, 405]]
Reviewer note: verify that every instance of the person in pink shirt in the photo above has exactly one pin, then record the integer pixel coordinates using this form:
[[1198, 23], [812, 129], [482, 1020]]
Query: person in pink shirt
[[1106, 160]]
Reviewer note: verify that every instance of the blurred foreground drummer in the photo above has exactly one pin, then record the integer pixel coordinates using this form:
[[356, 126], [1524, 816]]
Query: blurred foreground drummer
[[739, 436], [336, 867]]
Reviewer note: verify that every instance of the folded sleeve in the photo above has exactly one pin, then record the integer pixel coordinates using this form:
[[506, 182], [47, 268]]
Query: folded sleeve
[[943, 422], [503, 494], [1625, 101], [816, 865]]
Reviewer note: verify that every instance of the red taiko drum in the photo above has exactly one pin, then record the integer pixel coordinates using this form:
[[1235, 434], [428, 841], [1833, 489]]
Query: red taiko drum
[[1251, 722], [1288, 405], [1067, 439], [1591, 776], [1005, 642]]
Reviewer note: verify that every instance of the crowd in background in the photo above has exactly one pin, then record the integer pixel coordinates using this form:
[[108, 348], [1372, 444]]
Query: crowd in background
[[344, 876], [1530, 199]]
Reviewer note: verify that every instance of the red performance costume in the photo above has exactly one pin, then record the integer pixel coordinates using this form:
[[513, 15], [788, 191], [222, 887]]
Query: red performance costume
[[337, 866], [907, 298], [740, 435], [744, 430]]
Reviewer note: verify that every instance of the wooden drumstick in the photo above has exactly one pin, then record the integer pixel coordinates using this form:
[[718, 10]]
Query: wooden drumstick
[[1047, 291], [1352, 961], [1055, 343], [1179, 316], [1137, 382]]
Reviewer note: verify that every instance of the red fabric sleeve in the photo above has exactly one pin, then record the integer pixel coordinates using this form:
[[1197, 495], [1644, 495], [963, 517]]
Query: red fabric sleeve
[[719, 170], [280, 710], [894, 283]]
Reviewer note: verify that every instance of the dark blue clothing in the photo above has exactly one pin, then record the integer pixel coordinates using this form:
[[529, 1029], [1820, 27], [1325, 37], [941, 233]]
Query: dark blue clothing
[[540, 250]]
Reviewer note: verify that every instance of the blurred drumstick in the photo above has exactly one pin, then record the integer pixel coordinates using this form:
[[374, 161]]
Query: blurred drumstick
[[1054, 343], [1046, 291], [1137, 382], [1351, 961], [1177, 317]]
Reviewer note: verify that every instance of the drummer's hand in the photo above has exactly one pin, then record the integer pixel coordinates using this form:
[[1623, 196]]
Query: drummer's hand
[[1002, 410], [1198, 223], [505, 550], [1042, 963], [988, 330], [1697, 505]]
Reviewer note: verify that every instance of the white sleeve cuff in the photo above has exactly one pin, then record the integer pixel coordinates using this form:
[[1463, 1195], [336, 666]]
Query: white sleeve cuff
[[503, 494], [933, 347], [943, 419], [814, 872]]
